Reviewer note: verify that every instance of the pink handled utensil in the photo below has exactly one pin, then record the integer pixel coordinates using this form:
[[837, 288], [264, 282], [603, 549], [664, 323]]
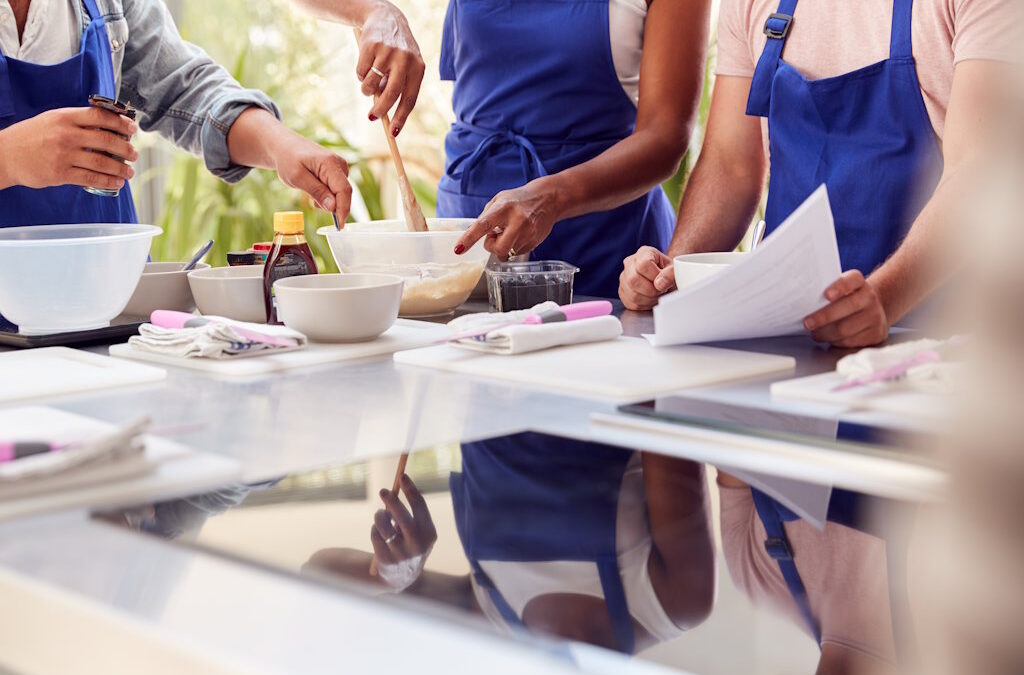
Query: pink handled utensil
[[893, 372], [574, 312], [165, 318]]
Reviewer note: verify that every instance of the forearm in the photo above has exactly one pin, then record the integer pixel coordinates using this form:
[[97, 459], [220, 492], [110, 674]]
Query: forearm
[[720, 201], [253, 138], [348, 12]]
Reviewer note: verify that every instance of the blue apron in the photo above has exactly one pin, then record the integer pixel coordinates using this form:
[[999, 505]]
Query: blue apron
[[536, 93], [28, 89], [866, 135], [523, 499]]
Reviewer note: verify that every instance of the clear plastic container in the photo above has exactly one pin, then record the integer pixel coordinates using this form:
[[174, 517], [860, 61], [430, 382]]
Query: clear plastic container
[[521, 285], [61, 278]]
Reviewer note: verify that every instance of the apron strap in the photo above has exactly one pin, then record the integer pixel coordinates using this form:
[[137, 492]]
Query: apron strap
[[6, 99], [778, 547], [462, 167], [900, 43], [92, 9], [777, 29], [448, 44], [618, 607]]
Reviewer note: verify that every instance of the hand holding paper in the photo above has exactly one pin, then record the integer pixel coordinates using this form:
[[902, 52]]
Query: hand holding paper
[[769, 293]]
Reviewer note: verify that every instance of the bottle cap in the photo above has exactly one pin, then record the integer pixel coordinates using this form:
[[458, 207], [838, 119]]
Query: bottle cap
[[262, 247], [289, 222]]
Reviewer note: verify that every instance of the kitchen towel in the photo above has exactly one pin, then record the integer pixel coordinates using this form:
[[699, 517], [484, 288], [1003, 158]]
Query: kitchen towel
[[220, 339]]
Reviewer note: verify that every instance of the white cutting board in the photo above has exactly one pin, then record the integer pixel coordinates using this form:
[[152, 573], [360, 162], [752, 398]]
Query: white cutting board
[[52, 371], [626, 369], [405, 334], [166, 469], [893, 398]]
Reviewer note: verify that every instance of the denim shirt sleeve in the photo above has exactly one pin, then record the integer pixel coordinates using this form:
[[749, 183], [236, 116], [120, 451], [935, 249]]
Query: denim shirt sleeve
[[179, 90]]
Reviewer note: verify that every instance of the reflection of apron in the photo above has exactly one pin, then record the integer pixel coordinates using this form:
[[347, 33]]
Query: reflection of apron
[[520, 500], [536, 93], [28, 89], [866, 135]]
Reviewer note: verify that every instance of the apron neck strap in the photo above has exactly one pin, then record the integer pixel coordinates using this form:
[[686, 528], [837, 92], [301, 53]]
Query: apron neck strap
[[6, 99], [900, 43], [777, 29], [92, 9]]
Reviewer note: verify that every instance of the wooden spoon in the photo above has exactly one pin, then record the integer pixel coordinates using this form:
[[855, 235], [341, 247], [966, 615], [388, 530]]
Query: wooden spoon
[[414, 219]]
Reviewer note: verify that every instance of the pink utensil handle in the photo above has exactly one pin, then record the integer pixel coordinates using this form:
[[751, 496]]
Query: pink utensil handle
[[575, 312], [893, 372], [165, 318]]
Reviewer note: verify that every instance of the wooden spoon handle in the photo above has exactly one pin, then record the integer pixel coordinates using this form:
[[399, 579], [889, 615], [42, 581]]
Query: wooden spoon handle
[[394, 490], [414, 219]]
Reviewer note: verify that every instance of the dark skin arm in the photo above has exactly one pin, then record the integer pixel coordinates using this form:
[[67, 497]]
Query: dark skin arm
[[671, 78]]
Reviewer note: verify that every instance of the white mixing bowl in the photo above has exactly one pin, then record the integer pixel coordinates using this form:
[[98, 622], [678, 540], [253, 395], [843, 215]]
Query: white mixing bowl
[[62, 278], [436, 280]]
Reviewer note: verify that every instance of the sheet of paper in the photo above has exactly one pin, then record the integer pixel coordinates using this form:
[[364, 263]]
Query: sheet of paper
[[767, 294]]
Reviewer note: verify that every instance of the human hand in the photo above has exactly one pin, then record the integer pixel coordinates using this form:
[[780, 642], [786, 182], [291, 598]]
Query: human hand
[[646, 275], [402, 540], [64, 146], [515, 222], [387, 44], [302, 164], [854, 317]]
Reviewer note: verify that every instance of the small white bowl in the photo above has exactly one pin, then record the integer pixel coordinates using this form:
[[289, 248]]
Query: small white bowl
[[232, 292], [339, 307], [163, 285], [694, 267]]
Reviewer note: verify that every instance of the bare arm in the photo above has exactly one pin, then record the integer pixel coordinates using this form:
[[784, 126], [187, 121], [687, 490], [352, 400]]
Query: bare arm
[[862, 310], [720, 199], [671, 78]]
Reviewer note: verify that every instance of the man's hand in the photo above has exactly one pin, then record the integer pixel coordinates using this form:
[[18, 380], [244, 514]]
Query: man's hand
[[64, 146], [312, 168], [854, 317], [647, 275]]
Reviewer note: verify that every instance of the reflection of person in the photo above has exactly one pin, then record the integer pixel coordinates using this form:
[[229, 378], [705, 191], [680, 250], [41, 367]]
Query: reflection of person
[[841, 594], [55, 53], [548, 127], [878, 136], [602, 546]]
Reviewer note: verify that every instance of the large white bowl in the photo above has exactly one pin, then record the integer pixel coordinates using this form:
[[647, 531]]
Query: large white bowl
[[436, 280], [164, 285], [62, 278], [232, 292], [339, 307]]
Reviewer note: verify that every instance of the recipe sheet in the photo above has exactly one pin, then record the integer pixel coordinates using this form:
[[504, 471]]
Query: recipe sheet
[[765, 295]]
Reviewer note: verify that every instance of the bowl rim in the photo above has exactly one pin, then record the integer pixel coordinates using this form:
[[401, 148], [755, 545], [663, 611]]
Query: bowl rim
[[134, 231], [198, 272], [695, 258], [387, 281], [166, 273], [327, 230]]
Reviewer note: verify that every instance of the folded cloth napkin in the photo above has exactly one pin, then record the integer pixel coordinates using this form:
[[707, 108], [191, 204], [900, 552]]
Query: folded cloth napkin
[[872, 359], [219, 339], [484, 320], [524, 338]]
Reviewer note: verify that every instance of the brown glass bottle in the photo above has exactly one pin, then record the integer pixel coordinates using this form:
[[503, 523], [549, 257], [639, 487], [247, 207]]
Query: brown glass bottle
[[289, 257]]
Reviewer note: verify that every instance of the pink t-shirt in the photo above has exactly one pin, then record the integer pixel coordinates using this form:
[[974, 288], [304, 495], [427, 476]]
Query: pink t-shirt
[[844, 572], [833, 38]]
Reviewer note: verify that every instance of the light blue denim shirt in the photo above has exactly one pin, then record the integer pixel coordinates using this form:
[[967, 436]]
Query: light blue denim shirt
[[177, 88]]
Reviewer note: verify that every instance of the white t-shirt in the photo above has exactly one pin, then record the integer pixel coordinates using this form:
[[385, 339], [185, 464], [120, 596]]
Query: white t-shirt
[[626, 32], [53, 32]]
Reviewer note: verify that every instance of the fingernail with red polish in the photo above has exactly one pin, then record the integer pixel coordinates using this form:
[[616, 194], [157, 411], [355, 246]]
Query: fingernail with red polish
[[459, 249], [394, 132], [373, 118], [383, 493]]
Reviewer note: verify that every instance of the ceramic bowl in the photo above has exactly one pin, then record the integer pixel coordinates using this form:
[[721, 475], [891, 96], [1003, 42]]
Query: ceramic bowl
[[436, 280], [232, 292], [62, 278], [163, 285], [694, 267], [339, 307]]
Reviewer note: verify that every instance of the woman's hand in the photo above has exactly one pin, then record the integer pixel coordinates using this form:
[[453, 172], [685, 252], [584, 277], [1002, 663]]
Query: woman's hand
[[646, 276], [398, 535], [64, 147], [516, 221], [386, 45], [854, 317]]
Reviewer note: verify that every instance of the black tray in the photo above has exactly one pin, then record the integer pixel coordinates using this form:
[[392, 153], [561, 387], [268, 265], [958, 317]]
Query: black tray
[[119, 329]]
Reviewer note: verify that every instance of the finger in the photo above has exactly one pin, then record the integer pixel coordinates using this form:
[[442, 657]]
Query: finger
[[415, 497], [312, 186], [87, 178], [367, 55], [846, 284], [640, 286], [100, 163], [387, 99], [411, 93], [333, 172], [838, 310], [371, 84], [634, 301], [382, 521], [666, 280], [647, 264], [381, 549], [97, 118], [101, 140], [481, 228], [867, 338], [399, 513]]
